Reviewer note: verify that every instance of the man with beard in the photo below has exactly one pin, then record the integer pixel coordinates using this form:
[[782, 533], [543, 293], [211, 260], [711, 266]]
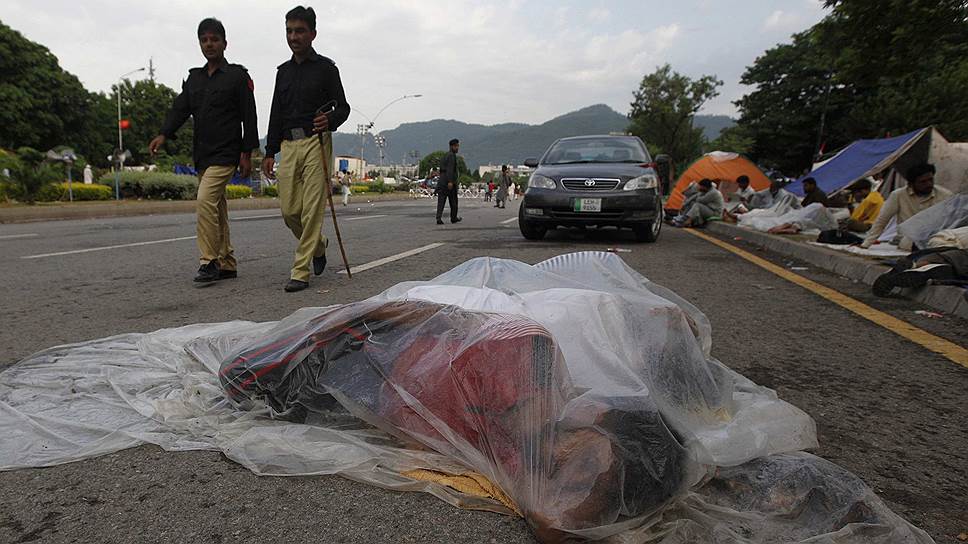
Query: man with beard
[[920, 194], [304, 84], [219, 98]]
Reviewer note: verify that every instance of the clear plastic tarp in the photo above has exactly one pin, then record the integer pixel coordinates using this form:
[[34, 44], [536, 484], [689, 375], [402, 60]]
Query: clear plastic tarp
[[815, 217], [582, 390], [947, 215]]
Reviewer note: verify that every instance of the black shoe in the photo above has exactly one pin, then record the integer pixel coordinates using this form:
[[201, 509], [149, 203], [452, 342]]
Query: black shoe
[[295, 285], [458, 220], [227, 274], [439, 222], [207, 273], [919, 277], [319, 264]]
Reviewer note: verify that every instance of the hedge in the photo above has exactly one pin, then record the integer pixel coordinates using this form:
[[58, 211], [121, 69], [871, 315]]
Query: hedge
[[270, 190], [237, 191], [155, 185], [59, 191]]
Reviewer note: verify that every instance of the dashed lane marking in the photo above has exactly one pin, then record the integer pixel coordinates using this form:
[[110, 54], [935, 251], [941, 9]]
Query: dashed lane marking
[[16, 236], [513, 219], [939, 345], [391, 258], [105, 248]]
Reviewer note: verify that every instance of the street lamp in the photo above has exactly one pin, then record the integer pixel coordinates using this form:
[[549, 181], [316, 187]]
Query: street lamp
[[120, 82], [364, 128]]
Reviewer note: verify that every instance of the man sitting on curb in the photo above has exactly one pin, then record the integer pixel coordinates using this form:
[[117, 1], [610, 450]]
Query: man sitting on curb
[[920, 194], [869, 203], [709, 204]]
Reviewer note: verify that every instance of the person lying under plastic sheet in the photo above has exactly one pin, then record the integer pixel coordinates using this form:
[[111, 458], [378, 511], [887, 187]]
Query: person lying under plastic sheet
[[489, 389]]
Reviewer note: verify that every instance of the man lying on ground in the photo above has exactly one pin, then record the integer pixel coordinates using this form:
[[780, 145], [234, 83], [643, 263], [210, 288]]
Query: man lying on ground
[[920, 194]]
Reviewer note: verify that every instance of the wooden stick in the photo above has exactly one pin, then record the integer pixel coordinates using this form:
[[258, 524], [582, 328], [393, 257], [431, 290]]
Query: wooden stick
[[327, 161]]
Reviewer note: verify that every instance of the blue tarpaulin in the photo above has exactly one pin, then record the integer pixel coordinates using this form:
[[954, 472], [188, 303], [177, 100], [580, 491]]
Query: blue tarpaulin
[[856, 161], [185, 170]]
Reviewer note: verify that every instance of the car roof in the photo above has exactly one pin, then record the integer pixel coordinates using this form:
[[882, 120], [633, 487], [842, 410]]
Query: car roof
[[588, 136]]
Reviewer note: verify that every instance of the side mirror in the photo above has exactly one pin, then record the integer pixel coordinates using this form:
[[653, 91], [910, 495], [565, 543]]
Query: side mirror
[[531, 163]]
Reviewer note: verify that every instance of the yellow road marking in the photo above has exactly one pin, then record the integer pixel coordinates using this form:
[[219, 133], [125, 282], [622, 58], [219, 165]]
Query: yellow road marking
[[919, 336]]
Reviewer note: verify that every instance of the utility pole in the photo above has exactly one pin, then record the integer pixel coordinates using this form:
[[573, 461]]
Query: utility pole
[[415, 157], [151, 69], [381, 143]]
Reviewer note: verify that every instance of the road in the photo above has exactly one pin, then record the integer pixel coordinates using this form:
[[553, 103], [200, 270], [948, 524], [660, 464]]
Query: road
[[887, 408]]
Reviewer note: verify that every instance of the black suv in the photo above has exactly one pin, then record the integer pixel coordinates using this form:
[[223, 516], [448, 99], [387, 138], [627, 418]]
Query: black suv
[[593, 181]]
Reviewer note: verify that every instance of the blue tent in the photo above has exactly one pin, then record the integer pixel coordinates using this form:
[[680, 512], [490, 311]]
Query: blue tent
[[185, 170], [858, 160]]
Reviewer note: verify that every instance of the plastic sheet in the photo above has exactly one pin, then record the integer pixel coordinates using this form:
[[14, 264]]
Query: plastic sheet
[[813, 217], [947, 215], [584, 391]]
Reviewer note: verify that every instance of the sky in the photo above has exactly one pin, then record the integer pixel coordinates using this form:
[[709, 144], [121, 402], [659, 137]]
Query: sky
[[484, 62]]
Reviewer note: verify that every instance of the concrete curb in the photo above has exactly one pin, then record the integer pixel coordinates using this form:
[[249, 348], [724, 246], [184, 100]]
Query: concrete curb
[[129, 208], [949, 300]]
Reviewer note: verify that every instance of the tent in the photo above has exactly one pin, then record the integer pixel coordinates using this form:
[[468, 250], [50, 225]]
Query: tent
[[721, 167], [868, 157]]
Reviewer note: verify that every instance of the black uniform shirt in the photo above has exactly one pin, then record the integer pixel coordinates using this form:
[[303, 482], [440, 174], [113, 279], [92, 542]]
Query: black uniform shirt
[[221, 106], [301, 89]]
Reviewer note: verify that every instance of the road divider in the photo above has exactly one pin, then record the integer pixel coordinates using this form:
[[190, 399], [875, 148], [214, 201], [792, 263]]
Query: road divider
[[923, 338], [391, 258], [105, 248]]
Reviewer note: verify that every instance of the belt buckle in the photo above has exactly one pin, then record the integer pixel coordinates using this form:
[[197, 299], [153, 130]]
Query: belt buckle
[[298, 134]]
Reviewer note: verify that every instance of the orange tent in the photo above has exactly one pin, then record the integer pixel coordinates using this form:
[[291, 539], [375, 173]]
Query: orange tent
[[721, 167]]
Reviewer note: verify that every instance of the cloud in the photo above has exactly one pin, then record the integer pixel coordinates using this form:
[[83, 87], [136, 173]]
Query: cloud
[[780, 20], [599, 15]]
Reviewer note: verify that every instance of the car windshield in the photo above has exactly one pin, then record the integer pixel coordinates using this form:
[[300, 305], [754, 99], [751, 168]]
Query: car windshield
[[588, 150]]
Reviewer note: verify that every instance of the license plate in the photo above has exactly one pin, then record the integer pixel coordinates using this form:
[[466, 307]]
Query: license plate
[[588, 204]]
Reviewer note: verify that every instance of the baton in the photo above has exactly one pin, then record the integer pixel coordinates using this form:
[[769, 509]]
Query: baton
[[327, 108]]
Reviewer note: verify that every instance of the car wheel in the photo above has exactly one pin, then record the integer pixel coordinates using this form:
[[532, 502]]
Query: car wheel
[[528, 229], [649, 233]]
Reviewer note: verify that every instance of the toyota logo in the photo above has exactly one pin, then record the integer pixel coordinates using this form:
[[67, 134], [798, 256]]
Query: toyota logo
[[589, 183]]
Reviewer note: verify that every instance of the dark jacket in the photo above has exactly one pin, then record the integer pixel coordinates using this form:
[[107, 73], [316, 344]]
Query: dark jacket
[[301, 89], [448, 170], [222, 107], [817, 195]]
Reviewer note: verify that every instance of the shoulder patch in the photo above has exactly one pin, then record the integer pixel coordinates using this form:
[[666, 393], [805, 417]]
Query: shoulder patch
[[251, 84]]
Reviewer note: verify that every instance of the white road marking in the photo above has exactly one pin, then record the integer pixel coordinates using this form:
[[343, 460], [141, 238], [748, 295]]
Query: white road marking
[[15, 236], [513, 219], [392, 258], [247, 217], [363, 217], [105, 248]]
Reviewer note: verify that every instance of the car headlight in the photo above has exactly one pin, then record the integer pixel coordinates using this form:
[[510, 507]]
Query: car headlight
[[647, 181], [541, 182]]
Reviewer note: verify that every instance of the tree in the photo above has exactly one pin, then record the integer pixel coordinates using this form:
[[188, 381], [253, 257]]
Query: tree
[[41, 105], [869, 69], [664, 108], [432, 161], [735, 139], [145, 104]]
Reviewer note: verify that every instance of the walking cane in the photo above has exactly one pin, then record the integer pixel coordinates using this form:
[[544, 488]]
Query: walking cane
[[327, 108]]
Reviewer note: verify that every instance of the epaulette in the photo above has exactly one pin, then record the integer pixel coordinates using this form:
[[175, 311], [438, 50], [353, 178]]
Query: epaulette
[[327, 59], [239, 66]]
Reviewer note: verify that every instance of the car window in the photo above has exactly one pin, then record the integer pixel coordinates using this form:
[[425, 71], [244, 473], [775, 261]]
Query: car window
[[585, 150]]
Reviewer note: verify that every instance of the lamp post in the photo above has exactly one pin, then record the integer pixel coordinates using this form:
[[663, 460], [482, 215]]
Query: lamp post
[[362, 129], [121, 82]]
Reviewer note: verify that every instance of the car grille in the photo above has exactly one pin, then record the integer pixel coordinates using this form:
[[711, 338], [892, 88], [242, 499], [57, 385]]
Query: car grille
[[581, 184]]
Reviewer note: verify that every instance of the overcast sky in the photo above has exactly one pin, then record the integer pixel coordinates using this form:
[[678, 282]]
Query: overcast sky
[[476, 61]]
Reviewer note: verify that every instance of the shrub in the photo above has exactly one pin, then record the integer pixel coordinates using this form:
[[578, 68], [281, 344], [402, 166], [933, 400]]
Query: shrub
[[359, 188], [59, 191], [155, 185], [237, 191], [270, 190], [30, 175]]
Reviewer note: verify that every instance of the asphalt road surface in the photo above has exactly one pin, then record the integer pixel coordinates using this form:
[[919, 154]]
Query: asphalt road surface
[[888, 409]]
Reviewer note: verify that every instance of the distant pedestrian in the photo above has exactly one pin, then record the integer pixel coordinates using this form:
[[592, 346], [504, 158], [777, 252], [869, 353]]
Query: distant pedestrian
[[447, 184], [503, 184], [304, 84], [514, 191], [88, 175], [488, 191], [344, 182], [219, 98]]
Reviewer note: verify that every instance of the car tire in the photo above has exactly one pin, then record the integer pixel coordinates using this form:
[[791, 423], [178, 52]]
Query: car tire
[[649, 233], [528, 229]]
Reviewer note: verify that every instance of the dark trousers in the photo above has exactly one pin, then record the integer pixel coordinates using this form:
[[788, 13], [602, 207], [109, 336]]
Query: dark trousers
[[442, 197]]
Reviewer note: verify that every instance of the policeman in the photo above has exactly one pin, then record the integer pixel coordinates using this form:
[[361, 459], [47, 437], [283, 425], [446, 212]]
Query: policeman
[[219, 98], [304, 84]]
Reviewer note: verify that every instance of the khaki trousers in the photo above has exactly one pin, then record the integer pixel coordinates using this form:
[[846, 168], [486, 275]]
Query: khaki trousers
[[212, 210], [303, 182]]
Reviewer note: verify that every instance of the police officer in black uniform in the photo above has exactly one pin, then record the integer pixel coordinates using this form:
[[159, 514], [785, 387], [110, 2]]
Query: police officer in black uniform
[[219, 98], [304, 84]]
